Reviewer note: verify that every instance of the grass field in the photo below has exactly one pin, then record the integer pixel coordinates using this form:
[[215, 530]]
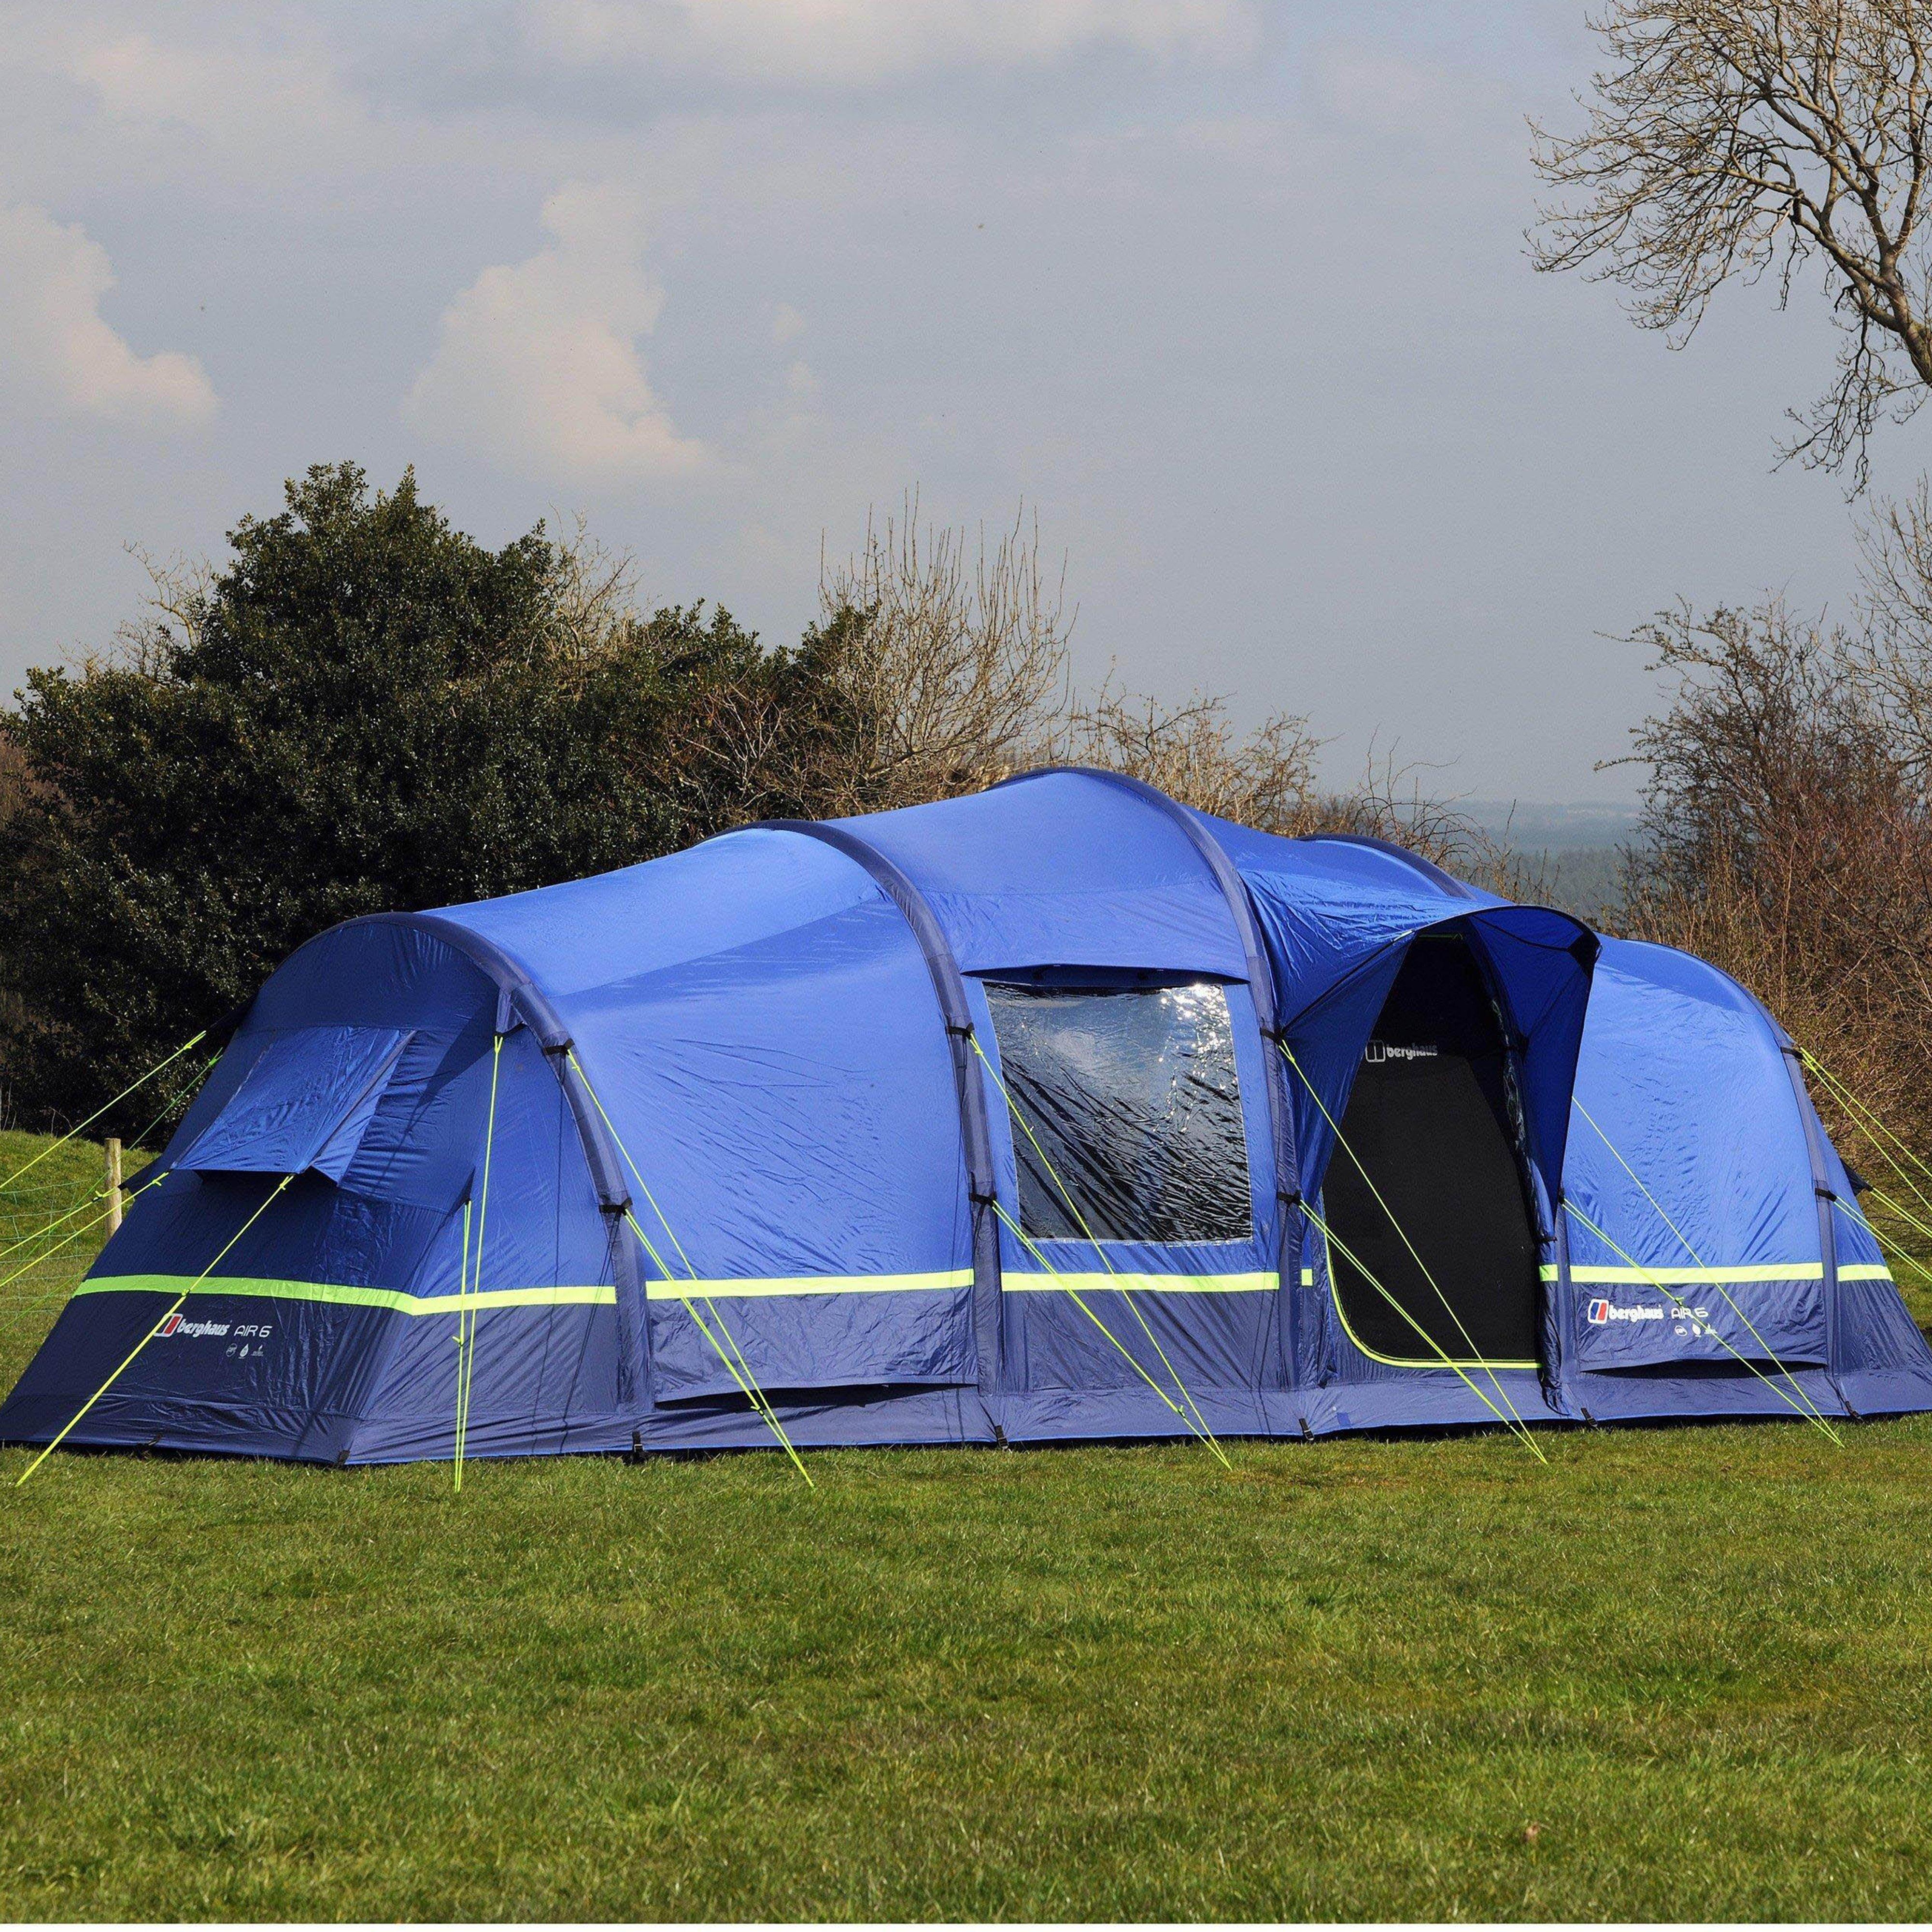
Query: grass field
[[1679, 1673]]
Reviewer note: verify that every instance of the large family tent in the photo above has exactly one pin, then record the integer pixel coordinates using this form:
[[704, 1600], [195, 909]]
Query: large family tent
[[1058, 1111]]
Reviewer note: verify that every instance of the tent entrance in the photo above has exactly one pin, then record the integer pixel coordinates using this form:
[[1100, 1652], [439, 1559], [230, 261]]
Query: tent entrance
[[1432, 1118]]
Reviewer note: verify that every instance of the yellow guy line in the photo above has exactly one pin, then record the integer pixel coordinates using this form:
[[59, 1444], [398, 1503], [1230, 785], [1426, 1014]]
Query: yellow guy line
[[466, 1350], [1847, 1098], [100, 1193], [174, 1310], [1899, 1208], [462, 1301], [1513, 1422], [1080, 1221], [1717, 1283], [1476, 1353], [759, 1401], [41, 1233], [98, 1112], [1806, 1408], [1202, 1430], [75, 1233], [1855, 1214], [747, 1382]]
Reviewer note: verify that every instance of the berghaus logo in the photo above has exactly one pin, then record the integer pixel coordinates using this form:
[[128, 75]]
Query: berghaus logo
[[1377, 1051], [1602, 1311], [175, 1325]]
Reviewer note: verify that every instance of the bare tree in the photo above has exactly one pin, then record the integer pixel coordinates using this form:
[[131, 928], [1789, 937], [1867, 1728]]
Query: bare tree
[[1390, 801], [595, 608], [1892, 655], [170, 614], [1787, 833], [1269, 779], [1732, 139], [955, 660], [1192, 752]]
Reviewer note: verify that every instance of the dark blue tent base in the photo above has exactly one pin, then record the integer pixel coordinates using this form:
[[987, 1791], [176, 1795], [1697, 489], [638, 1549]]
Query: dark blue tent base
[[953, 1418]]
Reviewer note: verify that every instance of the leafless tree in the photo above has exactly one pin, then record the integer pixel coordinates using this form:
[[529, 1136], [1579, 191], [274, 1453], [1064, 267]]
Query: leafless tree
[[1193, 752], [1892, 654], [1269, 778], [170, 614], [1391, 801], [595, 606], [1786, 834], [1730, 139], [953, 654]]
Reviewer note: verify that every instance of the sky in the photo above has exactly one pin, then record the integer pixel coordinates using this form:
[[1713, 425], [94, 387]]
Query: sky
[[1232, 295]]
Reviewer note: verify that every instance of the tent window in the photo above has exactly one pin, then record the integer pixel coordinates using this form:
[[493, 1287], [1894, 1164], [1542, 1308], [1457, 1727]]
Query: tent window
[[1133, 1097]]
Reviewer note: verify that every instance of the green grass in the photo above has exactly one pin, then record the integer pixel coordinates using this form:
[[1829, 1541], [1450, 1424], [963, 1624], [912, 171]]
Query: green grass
[[1679, 1673]]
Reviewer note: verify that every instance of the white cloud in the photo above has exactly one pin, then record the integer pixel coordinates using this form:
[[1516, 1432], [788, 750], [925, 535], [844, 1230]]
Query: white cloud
[[538, 366], [55, 343], [860, 43]]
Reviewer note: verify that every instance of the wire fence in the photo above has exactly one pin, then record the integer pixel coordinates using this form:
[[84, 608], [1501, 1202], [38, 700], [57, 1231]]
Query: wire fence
[[54, 1220]]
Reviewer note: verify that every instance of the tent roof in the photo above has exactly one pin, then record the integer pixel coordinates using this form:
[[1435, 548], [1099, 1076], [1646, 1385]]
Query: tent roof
[[1062, 867]]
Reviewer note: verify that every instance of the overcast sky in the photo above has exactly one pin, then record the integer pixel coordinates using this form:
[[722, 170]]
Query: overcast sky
[[1233, 293]]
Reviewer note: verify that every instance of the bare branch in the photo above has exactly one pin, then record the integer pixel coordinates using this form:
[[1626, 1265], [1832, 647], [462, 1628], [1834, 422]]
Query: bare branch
[[955, 660], [1725, 139]]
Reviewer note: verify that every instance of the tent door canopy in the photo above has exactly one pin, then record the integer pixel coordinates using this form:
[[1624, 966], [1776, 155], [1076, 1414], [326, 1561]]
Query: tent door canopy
[[1433, 1121]]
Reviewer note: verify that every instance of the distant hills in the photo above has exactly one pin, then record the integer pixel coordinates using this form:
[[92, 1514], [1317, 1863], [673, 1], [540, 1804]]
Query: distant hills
[[1530, 826], [1572, 851]]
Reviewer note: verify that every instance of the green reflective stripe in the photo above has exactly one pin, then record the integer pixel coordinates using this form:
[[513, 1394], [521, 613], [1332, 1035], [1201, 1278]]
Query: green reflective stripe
[[1763, 1271], [1014, 1279], [1794, 1271], [810, 1284], [595, 1295], [1625, 1277]]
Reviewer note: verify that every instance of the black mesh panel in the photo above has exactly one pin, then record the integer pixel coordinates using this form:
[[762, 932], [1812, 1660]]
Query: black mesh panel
[[1429, 1117]]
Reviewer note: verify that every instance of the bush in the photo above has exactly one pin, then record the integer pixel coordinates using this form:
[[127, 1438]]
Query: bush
[[1786, 834], [364, 709]]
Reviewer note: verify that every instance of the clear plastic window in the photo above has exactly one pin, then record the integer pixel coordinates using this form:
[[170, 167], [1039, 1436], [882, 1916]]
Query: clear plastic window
[[1132, 1097]]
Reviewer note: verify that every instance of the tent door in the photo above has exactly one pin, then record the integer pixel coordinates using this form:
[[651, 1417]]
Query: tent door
[[1432, 1118]]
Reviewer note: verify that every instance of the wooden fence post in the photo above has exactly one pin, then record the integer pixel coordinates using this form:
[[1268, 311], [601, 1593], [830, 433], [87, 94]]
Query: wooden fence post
[[113, 1185]]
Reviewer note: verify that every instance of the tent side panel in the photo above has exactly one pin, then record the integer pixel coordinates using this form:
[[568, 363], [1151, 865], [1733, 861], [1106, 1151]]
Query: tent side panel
[[1061, 871], [1706, 1292], [949, 990], [1687, 1154], [1073, 1309], [531, 1262], [1115, 877], [791, 1108]]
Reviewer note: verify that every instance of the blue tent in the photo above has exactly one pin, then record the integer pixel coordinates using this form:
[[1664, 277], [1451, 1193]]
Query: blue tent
[[1059, 1111]]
